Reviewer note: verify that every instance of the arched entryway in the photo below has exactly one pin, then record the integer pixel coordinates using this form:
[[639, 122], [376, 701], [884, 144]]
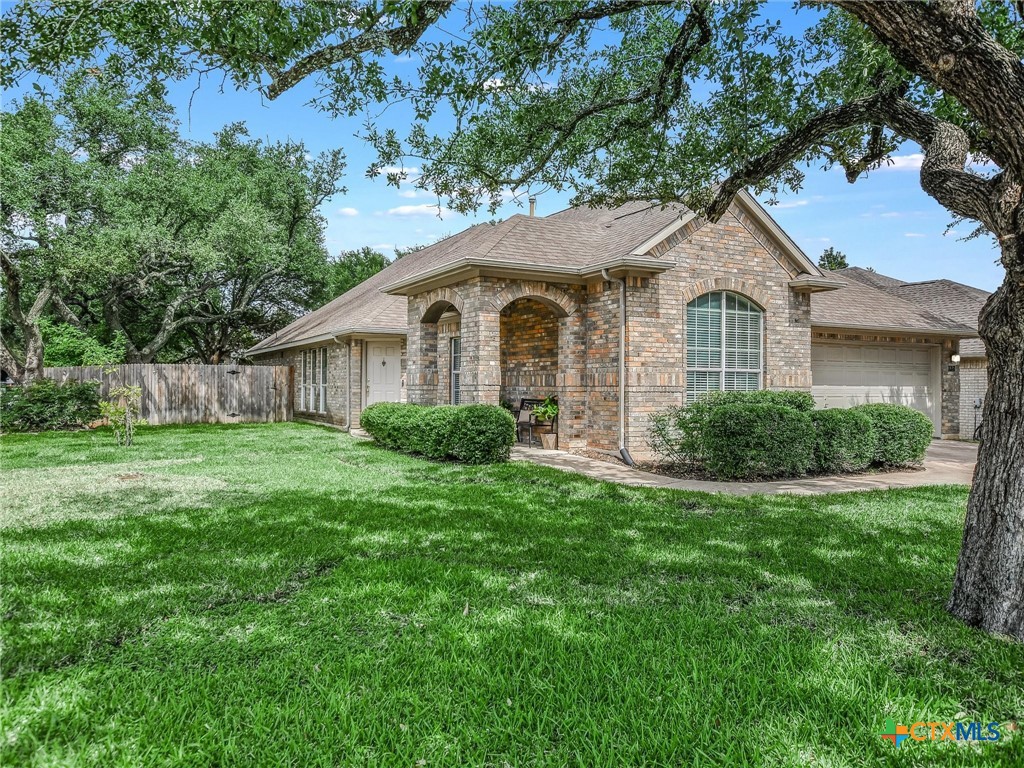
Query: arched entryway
[[529, 350]]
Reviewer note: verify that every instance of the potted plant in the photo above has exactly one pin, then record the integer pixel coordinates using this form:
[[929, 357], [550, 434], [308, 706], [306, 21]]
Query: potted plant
[[545, 413]]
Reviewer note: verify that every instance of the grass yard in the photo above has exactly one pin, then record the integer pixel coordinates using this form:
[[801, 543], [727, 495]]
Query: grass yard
[[285, 595]]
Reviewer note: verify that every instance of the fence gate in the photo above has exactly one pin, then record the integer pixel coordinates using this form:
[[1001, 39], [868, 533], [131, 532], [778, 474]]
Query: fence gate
[[191, 394]]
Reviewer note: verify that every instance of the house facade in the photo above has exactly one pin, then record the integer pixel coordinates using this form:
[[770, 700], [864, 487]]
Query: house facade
[[619, 313]]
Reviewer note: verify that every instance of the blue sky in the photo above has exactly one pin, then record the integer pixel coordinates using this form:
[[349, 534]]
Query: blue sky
[[884, 221]]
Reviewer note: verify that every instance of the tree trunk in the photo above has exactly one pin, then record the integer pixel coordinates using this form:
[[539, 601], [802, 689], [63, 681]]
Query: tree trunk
[[988, 589]]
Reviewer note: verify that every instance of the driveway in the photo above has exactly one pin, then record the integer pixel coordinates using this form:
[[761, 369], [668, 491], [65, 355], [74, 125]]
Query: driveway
[[947, 462]]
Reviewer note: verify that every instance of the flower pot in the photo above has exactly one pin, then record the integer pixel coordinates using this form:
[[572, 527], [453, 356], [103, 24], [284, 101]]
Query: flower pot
[[549, 441]]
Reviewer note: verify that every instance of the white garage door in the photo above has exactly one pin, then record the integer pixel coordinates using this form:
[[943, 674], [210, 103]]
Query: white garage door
[[843, 375]]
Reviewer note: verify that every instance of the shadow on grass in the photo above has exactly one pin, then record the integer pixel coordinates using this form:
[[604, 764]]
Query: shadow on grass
[[508, 598]]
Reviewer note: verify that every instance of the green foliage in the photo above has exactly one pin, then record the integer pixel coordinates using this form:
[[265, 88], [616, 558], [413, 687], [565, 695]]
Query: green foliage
[[832, 259], [902, 434], [472, 434], [352, 268], [844, 440], [65, 345], [45, 405], [678, 434], [758, 441], [547, 410], [122, 409], [186, 249]]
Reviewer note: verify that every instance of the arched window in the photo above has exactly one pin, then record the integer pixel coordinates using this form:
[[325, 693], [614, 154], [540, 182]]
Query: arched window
[[723, 344]]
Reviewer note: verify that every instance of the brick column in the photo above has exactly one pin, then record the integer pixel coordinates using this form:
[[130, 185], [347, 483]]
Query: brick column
[[949, 424], [572, 402], [421, 365], [481, 352]]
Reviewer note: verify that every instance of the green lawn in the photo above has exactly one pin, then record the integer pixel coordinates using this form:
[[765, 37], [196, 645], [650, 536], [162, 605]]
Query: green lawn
[[285, 595]]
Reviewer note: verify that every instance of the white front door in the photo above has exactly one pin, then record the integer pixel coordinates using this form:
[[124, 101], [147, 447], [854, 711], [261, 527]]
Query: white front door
[[383, 372], [843, 375]]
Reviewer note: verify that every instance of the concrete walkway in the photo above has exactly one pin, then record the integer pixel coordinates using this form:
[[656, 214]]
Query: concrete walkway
[[948, 462]]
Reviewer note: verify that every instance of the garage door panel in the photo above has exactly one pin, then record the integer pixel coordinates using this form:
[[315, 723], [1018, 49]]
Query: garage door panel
[[847, 375]]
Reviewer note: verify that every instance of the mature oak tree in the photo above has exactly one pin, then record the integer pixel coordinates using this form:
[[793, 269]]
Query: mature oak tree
[[115, 225], [658, 100]]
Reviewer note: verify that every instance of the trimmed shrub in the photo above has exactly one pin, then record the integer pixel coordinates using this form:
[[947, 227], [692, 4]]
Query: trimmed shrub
[[679, 434], [902, 435], [755, 441], [482, 434], [45, 404], [844, 440], [472, 434]]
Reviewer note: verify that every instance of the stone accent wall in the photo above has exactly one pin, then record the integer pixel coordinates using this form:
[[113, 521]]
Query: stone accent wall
[[973, 384]]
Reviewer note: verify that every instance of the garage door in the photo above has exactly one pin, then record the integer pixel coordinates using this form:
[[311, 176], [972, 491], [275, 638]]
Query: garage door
[[843, 375]]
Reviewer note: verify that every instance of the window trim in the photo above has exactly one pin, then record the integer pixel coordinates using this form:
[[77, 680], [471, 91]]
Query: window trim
[[454, 395], [722, 369], [322, 374]]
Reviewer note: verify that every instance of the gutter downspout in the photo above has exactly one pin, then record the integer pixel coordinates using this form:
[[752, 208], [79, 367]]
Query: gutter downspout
[[623, 451]]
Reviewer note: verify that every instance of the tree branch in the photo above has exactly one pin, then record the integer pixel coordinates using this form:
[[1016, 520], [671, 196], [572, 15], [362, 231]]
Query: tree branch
[[395, 39]]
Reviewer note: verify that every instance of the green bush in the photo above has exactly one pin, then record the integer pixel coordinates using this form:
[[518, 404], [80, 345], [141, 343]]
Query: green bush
[[44, 405], [472, 434], [844, 440], [678, 435], [758, 440], [902, 434]]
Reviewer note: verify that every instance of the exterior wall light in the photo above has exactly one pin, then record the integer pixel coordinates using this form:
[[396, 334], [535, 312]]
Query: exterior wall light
[[955, 358]]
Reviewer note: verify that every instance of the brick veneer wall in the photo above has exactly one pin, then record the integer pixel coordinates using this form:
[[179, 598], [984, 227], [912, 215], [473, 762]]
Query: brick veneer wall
[[973, 384], [345, 394], [529, 351], [731, 255], [336, 402]]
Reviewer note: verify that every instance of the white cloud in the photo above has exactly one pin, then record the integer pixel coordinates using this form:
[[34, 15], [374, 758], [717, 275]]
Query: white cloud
[[791, 204], [903, 162], [383, 246], [914, 234], [410, 171], [348, 212], [494, 82], [424, 209], [891, 215]]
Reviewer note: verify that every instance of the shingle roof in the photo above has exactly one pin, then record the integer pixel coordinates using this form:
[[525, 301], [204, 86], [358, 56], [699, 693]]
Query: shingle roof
[[572, 239], [946, 298]]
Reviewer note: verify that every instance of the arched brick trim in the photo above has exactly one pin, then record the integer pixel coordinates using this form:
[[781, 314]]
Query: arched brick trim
[[437, 302], [742, 287], [556, 299]]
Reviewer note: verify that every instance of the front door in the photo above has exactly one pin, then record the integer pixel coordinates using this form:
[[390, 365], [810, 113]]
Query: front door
[[384, 372]]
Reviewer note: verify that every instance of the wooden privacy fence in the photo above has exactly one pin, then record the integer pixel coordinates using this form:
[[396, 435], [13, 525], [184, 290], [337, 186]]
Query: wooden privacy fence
[[190, 394]]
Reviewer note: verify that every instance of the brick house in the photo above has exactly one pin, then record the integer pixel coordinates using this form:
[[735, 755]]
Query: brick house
[[532, 306]]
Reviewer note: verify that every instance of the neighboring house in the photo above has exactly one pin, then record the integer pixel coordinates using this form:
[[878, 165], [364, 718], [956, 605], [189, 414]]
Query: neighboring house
[[959, 302], [530, 307]]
